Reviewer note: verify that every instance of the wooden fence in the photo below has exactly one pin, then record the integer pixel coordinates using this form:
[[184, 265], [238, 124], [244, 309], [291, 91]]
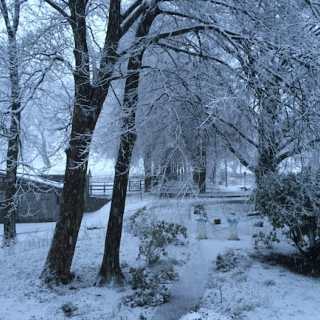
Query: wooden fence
[[98, 187]]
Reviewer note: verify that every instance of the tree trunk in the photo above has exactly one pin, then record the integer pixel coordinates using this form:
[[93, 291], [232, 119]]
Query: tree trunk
[[110, 268], [147, 171], [200, 162], [267, 164], [59, 260], [89, 100], [110, 271], [10, 200]]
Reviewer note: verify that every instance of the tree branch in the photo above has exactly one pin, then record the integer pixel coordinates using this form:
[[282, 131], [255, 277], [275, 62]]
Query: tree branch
[[235, 152], [5, 14], [132, 17], [194, 54], [241, 134], [130, 9], [58, 8]]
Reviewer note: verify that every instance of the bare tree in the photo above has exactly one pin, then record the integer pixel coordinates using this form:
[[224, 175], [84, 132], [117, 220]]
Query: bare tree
[[89, 96], [110, 269], [11, 17]]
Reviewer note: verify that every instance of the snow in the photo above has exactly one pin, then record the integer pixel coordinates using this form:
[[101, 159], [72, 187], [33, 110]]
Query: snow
[[204, 314], [255, 291], [45, 181], [185, 293], [258, 291], [23, 297]]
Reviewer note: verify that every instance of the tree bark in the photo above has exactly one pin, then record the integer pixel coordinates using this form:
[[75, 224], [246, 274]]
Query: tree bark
[[200, 162], [59, 260], [110, 271], [147, 171], [89, 101], [10, 200]]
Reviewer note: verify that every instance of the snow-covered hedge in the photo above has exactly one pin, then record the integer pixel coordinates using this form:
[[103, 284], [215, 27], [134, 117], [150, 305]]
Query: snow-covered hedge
[[150, 282], [155, 240], [150, 285], [155, 235], [292, 203]]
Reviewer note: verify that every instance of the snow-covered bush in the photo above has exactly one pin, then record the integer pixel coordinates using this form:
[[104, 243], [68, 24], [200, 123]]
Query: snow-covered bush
[[150, 286], [266, 239], [139, 221], [69, 309], [150, 282], [231, 260], [292, 203], [156, 238]]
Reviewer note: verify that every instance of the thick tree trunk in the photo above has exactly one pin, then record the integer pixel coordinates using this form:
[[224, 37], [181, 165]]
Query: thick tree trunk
[[58, 264], [59, 260], [267, 164], [89, 100], [110, 271]]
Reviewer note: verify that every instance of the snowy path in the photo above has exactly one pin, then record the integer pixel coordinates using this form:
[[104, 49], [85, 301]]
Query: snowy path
[[187, 292]]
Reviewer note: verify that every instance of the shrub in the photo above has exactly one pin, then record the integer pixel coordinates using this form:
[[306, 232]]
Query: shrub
[[156, 238], [266, 239], [150, 286], [139, 221], [150, 282], [231, 260], [292, 204]]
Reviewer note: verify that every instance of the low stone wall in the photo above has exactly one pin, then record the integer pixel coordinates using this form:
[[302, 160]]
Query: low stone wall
[[44, 207], [38, 207], [95, 203]]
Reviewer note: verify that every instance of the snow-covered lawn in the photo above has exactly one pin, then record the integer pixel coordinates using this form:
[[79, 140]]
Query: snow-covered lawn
[[252, 291], [23, 298]]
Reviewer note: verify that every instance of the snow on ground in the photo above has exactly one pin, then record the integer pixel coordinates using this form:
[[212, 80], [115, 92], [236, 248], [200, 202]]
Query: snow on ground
[[255, 291], [23, 298]]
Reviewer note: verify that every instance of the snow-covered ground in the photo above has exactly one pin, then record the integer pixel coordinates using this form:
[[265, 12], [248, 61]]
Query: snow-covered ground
[[253, 291], [23, 298]]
